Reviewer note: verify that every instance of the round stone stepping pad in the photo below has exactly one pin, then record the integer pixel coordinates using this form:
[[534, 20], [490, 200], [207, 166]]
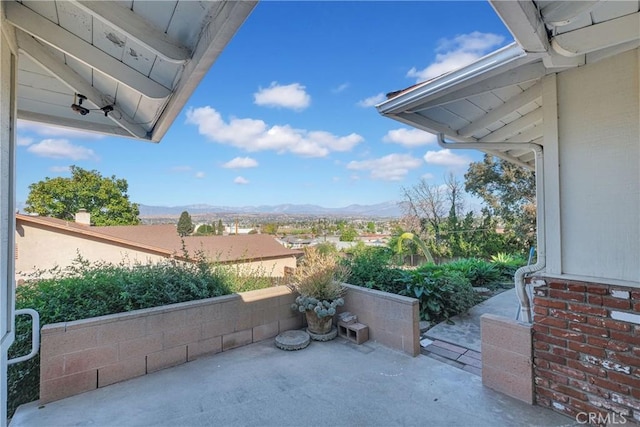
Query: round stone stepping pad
[[293, 340], [324, 337]]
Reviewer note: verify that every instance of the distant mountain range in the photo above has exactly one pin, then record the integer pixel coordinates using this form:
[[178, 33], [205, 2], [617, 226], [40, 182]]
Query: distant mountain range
[[387, 209]]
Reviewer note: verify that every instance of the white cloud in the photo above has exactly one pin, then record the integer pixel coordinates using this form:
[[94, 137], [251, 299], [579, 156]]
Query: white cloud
[[409, 137], [372, 100], [291, 96], [200, 175], [59, 169], [392, 167], [55, 131], [241, 180], [428, 176], [61, 149], [241, 163], [340, 88], [455, 53], [24, 141], [447, 158], [254, 135]]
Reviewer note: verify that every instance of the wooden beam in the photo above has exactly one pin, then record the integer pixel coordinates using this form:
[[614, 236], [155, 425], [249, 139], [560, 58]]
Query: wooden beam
[[136, 28], [598, 36], [75, 82], [513, 128], [518, 101], [32, 23]]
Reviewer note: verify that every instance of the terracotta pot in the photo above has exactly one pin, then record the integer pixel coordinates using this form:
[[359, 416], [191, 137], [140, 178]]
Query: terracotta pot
[[318, 325]]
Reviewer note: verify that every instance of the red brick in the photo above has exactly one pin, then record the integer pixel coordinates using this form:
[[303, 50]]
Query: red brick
[[574, 317], [539, 345], [589, 330], [551, 321], [589, 388], [594, 299], [583, 407], [621, 336], [625, 359], [569, 335], [596, 321], [622, 304], [566, 295], [549, 303], [598, 289], [607, 344], [635, 294], [538, 292], [557, 285], [542, 382], [636, 351], [540, 329], [542, 401], [539, 363], [587, 349], [552, 395], [617, 325], [636, 306], [550, 357], [576, 287], [624, 379], [568, 391], [549, 339], [609, 385], [560, 379], [581, 308], [574, 373], [587, 367], [569, 354], [635, 392], [540, 310]]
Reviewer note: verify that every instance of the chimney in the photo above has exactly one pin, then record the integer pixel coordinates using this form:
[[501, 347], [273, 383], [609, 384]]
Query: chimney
[[83, 217]]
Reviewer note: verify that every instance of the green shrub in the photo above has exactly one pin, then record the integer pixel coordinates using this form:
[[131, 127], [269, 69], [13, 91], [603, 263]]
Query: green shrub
[[507, 265], [371, 267], [442, 291], [478, 271], [87, 290]]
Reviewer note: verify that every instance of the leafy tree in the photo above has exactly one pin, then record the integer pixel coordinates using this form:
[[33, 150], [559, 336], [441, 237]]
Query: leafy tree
[[509, 191], [104, 198], [348, 234], [213, 228], [371, 227], [205, 230], [270, 228], [185, 224], [220, 227]]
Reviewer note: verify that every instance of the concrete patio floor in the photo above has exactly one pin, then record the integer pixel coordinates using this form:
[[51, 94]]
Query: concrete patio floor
[[336, 383]]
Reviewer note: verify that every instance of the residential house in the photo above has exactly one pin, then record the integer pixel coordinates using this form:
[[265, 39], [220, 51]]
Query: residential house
[[43, 243], [564, 99]]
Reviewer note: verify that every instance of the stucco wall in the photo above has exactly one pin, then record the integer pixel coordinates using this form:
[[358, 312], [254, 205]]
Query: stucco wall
[[599, 143]]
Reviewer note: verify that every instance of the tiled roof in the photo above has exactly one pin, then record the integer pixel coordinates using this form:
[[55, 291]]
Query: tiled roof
[[164, 239]]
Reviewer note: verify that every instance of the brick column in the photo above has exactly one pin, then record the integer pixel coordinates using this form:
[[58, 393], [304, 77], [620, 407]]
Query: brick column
[[586, 339]]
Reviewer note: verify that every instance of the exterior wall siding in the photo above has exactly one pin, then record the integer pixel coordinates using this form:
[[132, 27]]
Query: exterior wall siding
[[87, 354], [586, 339]]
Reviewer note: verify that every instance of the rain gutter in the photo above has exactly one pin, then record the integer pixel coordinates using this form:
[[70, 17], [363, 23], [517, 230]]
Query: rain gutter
[[525, 303], [500, 57]]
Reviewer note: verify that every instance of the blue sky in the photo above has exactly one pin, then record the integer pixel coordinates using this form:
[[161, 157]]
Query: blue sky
[[286, 114]]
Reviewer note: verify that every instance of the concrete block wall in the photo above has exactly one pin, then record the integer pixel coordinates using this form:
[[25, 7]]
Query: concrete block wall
[[587, 349], [393, 320], [86, 354], [507, 356]]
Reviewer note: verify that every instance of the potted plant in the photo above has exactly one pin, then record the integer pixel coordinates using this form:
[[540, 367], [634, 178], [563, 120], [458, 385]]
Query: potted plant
[[318, 281]]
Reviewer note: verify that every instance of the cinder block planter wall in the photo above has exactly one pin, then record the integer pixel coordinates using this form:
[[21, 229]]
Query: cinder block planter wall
[[587, 348], [86, 354]]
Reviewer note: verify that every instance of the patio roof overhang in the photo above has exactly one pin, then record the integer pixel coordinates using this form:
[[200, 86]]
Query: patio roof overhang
[[498, 99], [135, 62]]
